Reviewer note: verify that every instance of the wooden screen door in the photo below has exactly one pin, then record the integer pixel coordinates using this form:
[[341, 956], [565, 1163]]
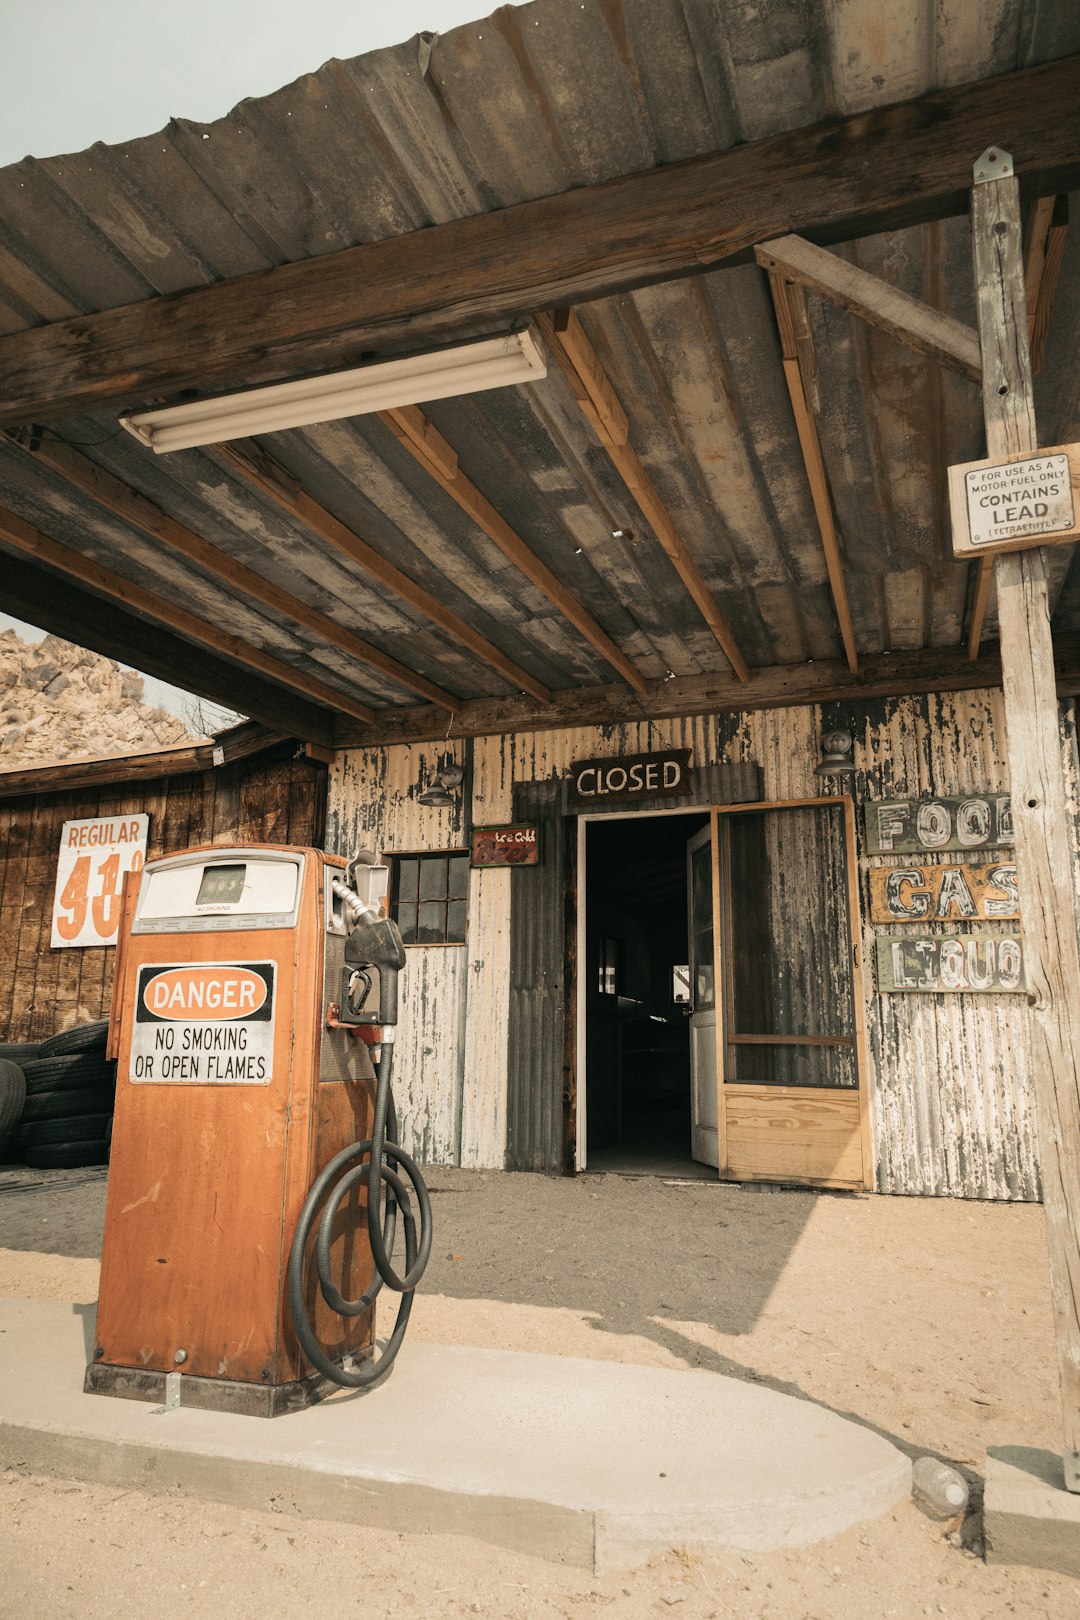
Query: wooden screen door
[[790, 1025]]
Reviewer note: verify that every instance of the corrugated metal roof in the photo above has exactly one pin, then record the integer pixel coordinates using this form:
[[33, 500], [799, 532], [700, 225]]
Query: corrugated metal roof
[[533, 101]]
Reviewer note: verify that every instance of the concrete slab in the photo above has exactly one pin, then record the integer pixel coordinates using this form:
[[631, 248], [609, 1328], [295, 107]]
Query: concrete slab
[[586, 1462], [1028, 1515]]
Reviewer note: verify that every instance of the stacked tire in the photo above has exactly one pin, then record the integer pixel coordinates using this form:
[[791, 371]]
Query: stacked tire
[[70, 1086], [12, 1098]]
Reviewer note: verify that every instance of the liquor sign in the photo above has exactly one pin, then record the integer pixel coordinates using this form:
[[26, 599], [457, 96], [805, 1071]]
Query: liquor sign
[[1029, 500], [95, 855], [912, 826], [933, 964], [513, 845], [952, 893], [596, 782]]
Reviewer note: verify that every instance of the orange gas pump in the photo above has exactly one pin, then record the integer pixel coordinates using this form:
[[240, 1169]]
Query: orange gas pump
[[254, 986]]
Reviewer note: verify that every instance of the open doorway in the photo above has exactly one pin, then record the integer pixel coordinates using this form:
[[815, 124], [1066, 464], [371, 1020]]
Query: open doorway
[[636, 995]]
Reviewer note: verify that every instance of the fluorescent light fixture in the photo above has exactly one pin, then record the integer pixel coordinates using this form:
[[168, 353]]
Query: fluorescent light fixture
[[464, 369]]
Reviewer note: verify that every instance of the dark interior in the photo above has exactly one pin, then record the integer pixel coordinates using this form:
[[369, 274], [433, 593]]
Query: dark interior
[[637, 1035]]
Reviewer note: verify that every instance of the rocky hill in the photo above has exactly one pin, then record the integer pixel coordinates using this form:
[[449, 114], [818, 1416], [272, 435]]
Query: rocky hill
[[58, 701]]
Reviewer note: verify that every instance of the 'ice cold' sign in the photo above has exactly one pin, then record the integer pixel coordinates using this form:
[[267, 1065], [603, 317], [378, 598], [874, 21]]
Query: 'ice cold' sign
[[205, 1023]]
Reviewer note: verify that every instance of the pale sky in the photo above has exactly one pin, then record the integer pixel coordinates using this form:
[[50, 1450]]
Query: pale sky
[[78, 71]]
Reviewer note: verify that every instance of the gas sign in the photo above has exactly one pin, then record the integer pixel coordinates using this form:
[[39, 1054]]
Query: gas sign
[[951, 893]]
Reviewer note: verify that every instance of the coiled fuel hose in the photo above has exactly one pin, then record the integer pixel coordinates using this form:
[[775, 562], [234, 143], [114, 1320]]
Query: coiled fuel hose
[[376, 1174]]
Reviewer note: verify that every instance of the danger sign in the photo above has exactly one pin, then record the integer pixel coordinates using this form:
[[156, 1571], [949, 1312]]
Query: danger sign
[[205, 1023]]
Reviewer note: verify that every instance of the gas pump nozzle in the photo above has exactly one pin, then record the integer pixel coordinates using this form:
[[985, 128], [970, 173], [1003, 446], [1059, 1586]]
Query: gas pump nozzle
[[374, 955]]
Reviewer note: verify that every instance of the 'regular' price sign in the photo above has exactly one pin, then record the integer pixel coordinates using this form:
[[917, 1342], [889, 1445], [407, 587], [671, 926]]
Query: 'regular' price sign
[[95, 855]]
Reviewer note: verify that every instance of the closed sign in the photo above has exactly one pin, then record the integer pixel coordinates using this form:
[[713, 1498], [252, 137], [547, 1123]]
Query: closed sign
[[595, 782]]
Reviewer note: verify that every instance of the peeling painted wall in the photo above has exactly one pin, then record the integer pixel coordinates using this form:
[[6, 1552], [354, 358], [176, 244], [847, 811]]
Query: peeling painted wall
[[952, 1102]]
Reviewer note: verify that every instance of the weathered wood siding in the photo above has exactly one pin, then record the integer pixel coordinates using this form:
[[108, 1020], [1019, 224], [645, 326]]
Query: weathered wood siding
[[952, 1107], [280, 801]]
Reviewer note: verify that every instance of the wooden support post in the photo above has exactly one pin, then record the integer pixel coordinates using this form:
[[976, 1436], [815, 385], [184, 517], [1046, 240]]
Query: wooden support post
[[1044, 856]]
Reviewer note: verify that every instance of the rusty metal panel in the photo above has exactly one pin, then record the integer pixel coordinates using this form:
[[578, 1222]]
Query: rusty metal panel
[[538, 990]]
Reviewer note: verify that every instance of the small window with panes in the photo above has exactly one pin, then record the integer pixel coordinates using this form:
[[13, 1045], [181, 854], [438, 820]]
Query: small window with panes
[[429, 897]]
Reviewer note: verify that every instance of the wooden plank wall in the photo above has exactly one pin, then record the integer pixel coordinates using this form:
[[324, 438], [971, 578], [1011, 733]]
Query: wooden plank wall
[[952, 1106], [264, 800]]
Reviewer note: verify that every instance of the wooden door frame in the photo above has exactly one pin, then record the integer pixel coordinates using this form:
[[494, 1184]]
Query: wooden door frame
[[861, 1044]]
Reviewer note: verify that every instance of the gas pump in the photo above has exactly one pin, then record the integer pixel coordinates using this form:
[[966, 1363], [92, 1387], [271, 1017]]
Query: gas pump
[[254, 988]]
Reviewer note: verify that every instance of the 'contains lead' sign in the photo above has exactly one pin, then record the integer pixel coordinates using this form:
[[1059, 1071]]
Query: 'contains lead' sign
[[204, 1023], [908, 826], [595, 782], [944, 962]]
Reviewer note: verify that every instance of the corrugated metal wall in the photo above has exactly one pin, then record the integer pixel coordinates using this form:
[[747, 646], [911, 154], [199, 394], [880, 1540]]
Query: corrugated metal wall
[[952, 1104]]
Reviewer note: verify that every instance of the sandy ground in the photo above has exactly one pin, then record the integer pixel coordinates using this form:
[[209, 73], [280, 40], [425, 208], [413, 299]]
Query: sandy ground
[[928, 1320]]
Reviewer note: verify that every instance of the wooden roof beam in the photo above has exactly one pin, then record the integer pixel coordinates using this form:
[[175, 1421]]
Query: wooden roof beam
[[780, 686], [126, 503], [909, 320], [427, 446], [598, 400], [23, 537], [271, 479], [797, 350], [837, 180]]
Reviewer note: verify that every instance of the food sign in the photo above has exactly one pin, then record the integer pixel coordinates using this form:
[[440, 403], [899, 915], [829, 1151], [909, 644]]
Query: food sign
[[912, 826], [95, 855]]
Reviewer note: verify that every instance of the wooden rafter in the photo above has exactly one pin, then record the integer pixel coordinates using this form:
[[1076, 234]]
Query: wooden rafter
[[31, 542], [283, 489], [833, 182], [427, 446], [797, 350], [598, 400], [908, 319], [126, 503], [1047, 226]]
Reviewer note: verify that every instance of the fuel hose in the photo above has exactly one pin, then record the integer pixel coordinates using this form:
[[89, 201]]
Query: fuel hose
[[388, 1173]]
